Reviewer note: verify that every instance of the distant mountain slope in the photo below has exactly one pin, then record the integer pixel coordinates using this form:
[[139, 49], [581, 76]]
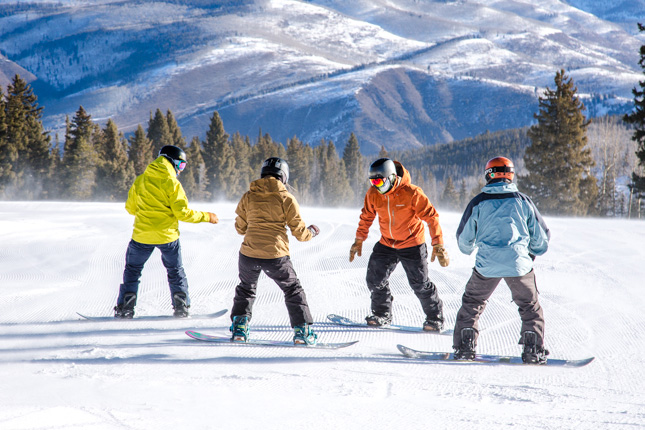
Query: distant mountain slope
[[400, 73]]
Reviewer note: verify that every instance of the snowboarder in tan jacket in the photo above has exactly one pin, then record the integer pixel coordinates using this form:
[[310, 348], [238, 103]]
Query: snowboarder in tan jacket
[[263, 214]]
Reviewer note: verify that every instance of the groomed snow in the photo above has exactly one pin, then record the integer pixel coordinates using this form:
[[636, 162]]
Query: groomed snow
[[61, 372]]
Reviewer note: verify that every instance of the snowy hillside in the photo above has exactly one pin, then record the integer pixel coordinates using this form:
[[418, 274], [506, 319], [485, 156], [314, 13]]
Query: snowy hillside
[[61, 372], [391, 71]]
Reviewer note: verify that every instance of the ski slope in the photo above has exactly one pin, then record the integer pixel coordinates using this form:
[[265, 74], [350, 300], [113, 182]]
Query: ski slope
[[61, 372]]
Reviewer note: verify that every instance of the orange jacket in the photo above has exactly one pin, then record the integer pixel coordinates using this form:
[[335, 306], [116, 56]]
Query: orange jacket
[[401, 212]]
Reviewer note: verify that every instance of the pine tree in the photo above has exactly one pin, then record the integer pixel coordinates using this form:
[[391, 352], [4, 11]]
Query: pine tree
[[158, 133], [463, 195], [193, 178], [558, 160], [80, 159], [7, 155], [175, 132], [242, 150], [140, 153], [333, 184], [383, 153], [115, 172], [216, 152], [265, 148], [300, 157], [450, 195], [355, 166], [25, 157], [637, 117]]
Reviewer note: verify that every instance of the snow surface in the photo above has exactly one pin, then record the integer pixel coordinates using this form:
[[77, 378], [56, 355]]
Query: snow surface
[[61, 372]]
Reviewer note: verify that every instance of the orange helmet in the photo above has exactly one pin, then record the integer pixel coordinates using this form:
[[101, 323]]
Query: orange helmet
[[499, 167]]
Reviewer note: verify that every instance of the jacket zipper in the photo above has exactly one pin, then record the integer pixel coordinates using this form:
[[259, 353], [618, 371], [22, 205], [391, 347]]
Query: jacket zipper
[[390, 220]]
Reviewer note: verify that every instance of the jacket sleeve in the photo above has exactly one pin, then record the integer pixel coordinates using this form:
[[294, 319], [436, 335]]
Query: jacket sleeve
[[241, 220], [179, 205], [131, 202], [467, 230], [426, 212], [297, 226], [368, 213], [540, 233]]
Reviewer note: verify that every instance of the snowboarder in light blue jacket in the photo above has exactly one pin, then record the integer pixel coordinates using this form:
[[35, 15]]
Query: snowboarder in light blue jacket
[[508, 232]]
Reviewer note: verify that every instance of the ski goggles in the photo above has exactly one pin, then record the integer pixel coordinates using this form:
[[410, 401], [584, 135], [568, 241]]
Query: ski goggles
[[180, 164], [377, 182]]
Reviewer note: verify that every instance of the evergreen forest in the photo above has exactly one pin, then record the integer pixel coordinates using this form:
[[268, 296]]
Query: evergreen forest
[[93, 162]]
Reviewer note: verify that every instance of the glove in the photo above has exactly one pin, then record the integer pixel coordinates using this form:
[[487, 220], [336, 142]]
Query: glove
[[213, 218], [315, 231], [357, 248], [440, 253]]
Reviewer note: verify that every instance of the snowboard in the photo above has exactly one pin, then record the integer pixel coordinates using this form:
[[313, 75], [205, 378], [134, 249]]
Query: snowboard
[[491, 359], [340, 320], [156, 317], [226, 340]]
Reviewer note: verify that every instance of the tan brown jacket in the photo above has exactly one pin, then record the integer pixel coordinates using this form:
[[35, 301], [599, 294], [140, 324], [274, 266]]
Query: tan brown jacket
[[262, 216]]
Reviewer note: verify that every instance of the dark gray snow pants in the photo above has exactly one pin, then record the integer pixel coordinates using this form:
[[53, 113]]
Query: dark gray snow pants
[[479, 289]]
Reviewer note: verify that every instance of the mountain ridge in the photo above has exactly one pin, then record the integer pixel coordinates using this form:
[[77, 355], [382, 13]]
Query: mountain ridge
[[401, 74]]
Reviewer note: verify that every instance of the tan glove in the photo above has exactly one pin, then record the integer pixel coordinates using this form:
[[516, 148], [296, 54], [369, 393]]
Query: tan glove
[[441, 253], [357, 248], [213, 218]]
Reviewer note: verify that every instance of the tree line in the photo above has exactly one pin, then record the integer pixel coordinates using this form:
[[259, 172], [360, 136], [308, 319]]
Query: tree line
[[100, 163], [569, 165]]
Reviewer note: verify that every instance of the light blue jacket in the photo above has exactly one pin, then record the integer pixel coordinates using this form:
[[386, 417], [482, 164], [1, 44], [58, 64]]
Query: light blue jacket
[[506, 227]]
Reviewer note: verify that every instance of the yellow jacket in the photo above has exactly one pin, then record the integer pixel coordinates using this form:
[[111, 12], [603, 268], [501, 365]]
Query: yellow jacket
[[262, 216], [158, 202]]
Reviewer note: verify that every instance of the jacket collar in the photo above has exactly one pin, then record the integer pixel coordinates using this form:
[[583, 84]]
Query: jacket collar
[[500, 188]]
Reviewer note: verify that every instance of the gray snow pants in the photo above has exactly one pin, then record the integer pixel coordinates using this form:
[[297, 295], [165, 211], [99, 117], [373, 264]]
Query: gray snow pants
[[479, 289]]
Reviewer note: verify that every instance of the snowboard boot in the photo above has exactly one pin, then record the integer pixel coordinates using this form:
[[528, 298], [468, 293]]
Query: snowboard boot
[[126, 309], [379, 320], [179, 304], [466, 350], [433, 323], [304, 335], [240, 329], [533, 353]]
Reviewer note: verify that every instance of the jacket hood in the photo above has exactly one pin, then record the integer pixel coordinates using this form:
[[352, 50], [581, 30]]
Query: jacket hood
[[161, 168], [268, 184], [500, 188], [404, 176]]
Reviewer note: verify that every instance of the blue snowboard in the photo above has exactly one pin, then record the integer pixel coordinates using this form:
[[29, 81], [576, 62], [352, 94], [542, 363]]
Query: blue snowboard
[[340, 320], [491, 359], [226, 340], [155, 317]]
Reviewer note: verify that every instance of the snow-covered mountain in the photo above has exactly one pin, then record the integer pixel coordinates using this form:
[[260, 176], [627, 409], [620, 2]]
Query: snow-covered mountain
[[399, 73]]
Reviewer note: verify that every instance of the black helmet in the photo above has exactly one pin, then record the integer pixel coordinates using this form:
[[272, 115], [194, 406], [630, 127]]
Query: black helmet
[[175, 155], [276, 167], [383, 175]]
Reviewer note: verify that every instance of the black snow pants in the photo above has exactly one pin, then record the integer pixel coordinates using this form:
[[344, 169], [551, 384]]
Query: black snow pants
[[282, 272], [382, 263]]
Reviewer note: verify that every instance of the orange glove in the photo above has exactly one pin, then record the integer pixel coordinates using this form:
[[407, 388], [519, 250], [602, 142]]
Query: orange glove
[[357, 248], [440, 253], [213, 218]]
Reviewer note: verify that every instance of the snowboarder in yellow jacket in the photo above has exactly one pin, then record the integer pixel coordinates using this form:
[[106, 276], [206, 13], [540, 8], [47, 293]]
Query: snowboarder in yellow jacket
[[158, 202]]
